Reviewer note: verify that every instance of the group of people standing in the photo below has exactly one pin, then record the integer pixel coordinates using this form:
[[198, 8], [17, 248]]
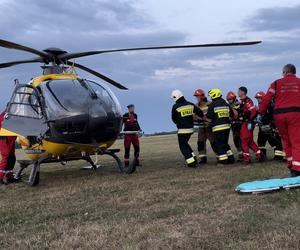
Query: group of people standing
[[277, 115]]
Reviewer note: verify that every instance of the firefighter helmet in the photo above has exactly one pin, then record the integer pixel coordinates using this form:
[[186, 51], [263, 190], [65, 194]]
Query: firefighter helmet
[[230, 96], [176, 94], [260, 94], [215, 93], [199, 92]]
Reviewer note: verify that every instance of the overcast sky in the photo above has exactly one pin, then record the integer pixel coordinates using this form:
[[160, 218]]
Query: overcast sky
[[151, 76]]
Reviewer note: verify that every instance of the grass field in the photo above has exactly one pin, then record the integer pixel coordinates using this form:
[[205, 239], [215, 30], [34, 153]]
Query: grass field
[[162, 206]]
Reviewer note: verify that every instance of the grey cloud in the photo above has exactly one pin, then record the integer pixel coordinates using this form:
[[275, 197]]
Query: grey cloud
[[84, 25], [274, 19], [58, 17]]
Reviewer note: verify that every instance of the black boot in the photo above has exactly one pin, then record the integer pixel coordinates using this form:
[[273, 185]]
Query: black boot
[[294, 173], [278, 158], [3, 183], [240, 156], [231, 159], [203, 160], [193, 165]]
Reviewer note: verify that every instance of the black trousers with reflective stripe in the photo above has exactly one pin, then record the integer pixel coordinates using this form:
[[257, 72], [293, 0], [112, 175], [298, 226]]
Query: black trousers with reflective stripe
[[185, 148], [273, 139], [222, 146], [236, 130]]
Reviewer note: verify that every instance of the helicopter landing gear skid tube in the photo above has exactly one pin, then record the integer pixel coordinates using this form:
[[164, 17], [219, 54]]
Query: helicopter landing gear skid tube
[[112, 152], [34, 176]]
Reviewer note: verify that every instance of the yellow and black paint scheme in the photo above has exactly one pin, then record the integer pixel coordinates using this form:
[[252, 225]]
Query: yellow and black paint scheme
[[68, 130]]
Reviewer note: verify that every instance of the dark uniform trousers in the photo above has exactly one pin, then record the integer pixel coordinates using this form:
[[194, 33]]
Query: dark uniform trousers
[[236, 130], [185, 148], [274, 139], [204, 134], [223, 149]]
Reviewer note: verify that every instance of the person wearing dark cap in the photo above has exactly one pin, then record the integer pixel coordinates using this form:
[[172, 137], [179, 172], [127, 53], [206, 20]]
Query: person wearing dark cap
[[131, 130], [247, 117]]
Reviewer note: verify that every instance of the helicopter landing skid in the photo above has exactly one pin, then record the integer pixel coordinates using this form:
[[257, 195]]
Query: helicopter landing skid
[[34, 176], [131, 168], [94, 165]]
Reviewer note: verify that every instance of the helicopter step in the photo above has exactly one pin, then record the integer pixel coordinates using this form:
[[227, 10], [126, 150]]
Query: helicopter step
[[34, 176]]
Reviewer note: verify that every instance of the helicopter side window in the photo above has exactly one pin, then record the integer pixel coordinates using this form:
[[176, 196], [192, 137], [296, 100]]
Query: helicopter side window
[[25, 103]]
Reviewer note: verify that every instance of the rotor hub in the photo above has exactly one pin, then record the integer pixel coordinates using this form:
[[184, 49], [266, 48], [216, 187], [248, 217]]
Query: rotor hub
[[55, 51]]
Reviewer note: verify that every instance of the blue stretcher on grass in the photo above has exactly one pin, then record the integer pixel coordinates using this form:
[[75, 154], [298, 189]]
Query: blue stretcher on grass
[[268, 185]]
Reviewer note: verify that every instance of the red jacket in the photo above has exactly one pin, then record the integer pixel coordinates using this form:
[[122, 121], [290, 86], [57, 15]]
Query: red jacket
[[286, 92], [249, 111]]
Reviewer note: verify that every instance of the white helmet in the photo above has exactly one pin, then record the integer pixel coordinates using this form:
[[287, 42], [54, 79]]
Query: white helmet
[[176, 94]]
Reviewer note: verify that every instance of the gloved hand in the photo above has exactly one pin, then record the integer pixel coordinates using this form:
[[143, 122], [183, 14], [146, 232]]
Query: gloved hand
[[250, 125], [259, 119]]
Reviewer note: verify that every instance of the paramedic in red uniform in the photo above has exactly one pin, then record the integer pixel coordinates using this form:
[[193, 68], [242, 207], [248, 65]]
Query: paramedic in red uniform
[[8, 158], [249, 113], [131, 131], [286, 94]]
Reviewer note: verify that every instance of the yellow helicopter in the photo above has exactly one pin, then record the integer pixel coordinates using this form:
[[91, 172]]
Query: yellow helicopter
[[61, 117]]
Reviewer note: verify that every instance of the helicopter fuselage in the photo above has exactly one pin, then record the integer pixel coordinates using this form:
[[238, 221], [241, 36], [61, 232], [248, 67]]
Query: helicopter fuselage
[[62, 115]]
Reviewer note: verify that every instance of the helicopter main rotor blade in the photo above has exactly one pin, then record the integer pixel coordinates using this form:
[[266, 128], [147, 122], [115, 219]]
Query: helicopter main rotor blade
[[68, 56], [11, 45], [95, 73], [13, 63]]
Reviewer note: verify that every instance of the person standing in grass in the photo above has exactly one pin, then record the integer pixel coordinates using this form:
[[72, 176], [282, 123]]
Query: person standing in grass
[[183, 116], [248, 116], [131, 130], [219, 113], [205, 132]]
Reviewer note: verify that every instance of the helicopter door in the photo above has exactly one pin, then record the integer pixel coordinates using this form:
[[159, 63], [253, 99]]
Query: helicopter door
[[24, 114]]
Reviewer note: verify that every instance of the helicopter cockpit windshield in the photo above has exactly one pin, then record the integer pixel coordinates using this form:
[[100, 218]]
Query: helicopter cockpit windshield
[[65, 98]]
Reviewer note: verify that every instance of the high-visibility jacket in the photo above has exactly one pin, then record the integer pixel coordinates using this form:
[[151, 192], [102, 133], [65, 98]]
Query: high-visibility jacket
[[286, 94], [183, 115], [220, 112]]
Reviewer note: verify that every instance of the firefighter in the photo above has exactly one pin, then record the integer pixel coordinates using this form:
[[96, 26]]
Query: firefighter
[[236, 124], [286, 93], [219, 113], [8, 157], [205, 132], [183, 116], [268, 132], [248, 116], [131, 130]]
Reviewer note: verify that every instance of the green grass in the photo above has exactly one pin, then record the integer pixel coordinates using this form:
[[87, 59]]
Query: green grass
[[162, 206]]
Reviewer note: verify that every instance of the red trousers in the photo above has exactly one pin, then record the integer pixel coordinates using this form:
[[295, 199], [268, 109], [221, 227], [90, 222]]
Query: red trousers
[[8, 158], [288, 125], [134, 140], [248, 142]]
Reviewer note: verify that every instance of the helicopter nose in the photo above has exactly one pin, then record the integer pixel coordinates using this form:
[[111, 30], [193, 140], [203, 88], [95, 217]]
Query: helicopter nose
[[77, 124]]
